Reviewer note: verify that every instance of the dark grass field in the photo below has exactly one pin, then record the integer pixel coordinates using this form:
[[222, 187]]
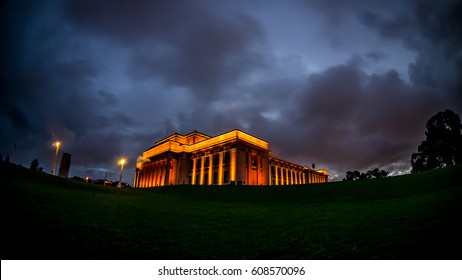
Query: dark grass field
[[406, 217]]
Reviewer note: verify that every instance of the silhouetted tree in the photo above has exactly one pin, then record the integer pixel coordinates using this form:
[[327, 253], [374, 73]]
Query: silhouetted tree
[[442, 145], [350, 176], [356, 175], [34, 165], [376, 173]]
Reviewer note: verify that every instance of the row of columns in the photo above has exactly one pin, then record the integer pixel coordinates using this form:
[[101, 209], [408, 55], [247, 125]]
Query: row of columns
[[315, 177], [202, 168], [152, 175], [288, 176], [159, 173]]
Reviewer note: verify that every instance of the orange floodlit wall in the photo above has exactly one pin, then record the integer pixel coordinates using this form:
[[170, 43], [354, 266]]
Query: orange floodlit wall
[[234, 157]]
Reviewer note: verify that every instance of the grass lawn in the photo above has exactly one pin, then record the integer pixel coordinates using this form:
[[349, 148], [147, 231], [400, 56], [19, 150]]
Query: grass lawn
[[407, 217]]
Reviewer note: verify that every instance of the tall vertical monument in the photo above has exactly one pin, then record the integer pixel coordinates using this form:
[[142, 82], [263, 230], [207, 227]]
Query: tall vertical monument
[[65, 165]]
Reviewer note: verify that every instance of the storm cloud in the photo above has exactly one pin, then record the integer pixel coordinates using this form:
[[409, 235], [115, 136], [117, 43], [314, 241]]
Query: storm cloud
[[343, 84]]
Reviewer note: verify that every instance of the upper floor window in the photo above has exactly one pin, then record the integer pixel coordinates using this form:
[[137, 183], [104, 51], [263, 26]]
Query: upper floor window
[[227, 158], [254, 160], [216, 160]]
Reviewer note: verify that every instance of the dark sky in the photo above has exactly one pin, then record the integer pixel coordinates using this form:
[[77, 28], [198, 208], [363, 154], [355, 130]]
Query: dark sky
[[348, 85]]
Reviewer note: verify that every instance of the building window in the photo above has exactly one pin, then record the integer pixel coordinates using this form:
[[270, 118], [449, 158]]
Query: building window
[[198, 163], [215, 178], [216, 160], [254, 160], [226, 177], [207, 162], [191, 164], [227, 158]]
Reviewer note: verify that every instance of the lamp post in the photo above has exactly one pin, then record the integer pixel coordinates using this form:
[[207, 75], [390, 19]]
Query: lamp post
[[121, 163], [56, 144]]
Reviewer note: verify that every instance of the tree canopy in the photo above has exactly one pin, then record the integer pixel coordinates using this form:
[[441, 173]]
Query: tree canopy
[[442, 145], [34, 165], [356, 175]]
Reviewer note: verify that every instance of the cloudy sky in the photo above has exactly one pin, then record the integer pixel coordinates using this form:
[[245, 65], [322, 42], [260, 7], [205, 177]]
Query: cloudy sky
[[348, 85]]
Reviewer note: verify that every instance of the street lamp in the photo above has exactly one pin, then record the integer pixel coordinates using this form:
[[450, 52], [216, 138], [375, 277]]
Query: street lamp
[[121, 163], [56, 144]]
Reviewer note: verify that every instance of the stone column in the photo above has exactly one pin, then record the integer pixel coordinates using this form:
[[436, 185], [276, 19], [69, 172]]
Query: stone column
[[276, 174], [283, 177], [140, 174], [210, 169], [220, 168], [157, 174], [193, 179], [161, 174], [167, 173], [201, 175], [151, 180], [232, 175], [140, 179], [143, 178], [148, 172], [164, 174], [269, 175], [146, 182]]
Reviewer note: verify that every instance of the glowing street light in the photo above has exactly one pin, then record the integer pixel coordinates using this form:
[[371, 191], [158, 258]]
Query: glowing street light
[[121, 163], [56, 144]]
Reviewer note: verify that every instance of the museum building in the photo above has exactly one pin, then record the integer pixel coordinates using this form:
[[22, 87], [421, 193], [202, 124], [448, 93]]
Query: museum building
[[231, 158]]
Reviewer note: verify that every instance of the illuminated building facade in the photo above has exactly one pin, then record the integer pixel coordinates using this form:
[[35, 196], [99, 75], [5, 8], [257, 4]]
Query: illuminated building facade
[[234, 157]]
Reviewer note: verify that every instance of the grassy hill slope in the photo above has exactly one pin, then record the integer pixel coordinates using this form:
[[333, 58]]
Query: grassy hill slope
[[407, 217]]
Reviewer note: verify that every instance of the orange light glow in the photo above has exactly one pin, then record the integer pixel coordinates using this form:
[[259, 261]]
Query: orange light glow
[[121, 163], [170, 144], [232, 157], [56, 144], [322, 171], [233, 165]]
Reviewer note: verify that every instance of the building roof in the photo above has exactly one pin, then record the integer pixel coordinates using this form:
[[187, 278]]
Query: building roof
[[195, 141]]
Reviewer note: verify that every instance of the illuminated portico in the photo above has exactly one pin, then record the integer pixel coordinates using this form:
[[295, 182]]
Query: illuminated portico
[[234, 157]]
